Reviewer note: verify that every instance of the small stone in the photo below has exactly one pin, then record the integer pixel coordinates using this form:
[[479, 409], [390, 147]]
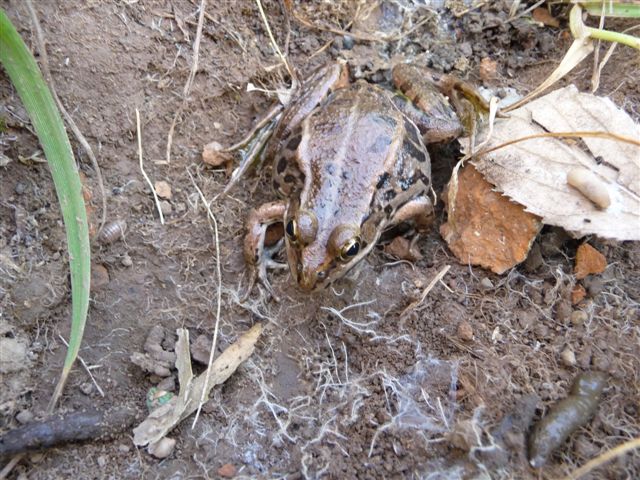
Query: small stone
[[200, 349], [212, 155], [486, 284], [578, 317], [347, 42], [589, 261], [541, 331], [163, 189], [543, 16], [577, 294], [86, 388], [166, 207], [465, 331], [601, 362], [594, 286], [180, 207], [488, 69], [584, 357], [162, 448], [126, 261], [403, 249], [24, 416], [20, 188], [568, 357], [563, 311], [36, 457], [228, 470], [99, 276], [102, 461], [124, 448], [13, 355]]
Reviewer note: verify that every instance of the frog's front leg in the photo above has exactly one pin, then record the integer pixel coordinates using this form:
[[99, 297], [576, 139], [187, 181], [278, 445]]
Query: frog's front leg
[[255, 256]]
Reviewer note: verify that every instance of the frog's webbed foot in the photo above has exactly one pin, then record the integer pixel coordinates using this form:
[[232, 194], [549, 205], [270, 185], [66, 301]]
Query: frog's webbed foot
[[258, 257]]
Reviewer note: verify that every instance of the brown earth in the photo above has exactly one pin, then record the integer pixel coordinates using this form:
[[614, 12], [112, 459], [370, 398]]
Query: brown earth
[[341, 385]]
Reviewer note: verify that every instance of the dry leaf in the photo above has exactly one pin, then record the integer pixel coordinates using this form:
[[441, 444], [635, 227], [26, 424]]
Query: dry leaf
[[161, 420], [534, 172]]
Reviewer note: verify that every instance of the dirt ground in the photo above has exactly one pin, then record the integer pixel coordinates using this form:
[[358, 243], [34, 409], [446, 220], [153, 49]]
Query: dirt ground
[[341, 385]]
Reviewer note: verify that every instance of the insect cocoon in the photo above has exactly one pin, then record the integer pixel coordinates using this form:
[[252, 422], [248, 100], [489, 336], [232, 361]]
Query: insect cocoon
[[589, 185]]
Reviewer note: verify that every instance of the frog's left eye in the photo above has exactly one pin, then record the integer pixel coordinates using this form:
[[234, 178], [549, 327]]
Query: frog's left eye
[[350, 249]]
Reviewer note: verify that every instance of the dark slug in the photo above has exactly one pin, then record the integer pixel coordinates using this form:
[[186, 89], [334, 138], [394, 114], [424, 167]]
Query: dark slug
[[565, 417]]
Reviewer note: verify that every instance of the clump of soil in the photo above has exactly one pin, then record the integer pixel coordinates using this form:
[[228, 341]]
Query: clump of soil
[[341, 385]]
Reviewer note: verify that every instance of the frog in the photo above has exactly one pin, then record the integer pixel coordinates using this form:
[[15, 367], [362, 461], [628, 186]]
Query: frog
[[349, 162]]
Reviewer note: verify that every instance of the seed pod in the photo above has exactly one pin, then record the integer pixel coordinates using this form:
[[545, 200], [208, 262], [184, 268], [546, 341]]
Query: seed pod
[[113, 231], [565, 417], [589, 185]]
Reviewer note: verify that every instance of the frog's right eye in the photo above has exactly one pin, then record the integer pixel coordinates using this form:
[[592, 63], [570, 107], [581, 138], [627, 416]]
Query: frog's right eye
[[292, 230]]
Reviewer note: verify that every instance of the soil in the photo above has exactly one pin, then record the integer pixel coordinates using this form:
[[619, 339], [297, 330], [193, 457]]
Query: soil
[[341, 385]]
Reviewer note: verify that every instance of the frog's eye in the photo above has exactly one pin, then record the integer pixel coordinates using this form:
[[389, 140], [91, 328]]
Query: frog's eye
[[292, 230], [350, 249]]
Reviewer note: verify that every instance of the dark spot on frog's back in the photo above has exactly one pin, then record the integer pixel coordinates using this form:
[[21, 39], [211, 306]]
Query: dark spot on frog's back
[[382, 180], [413, 151], [282, 164], [294, 142], [289, 178]]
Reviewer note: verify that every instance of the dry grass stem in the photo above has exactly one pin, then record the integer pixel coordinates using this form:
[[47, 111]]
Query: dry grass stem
[[214, 224], [189, 83], [44, 65], [426, 291], [144, 174], [604, 458]]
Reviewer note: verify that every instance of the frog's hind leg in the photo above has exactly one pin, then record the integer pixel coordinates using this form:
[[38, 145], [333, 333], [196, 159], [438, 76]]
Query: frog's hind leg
[[419, 211], [256, 256]]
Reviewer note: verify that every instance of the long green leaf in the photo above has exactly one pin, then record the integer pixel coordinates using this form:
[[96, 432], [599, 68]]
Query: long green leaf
[[38, 101]]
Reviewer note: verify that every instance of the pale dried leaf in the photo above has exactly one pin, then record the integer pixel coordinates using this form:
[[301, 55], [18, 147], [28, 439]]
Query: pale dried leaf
[[534, 172], [163, 419]]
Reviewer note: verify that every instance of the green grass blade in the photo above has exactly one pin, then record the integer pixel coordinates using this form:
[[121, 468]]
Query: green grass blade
[[38, 101]]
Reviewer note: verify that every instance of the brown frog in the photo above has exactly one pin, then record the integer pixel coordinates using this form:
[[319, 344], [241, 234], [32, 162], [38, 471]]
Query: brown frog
[[349, 161]]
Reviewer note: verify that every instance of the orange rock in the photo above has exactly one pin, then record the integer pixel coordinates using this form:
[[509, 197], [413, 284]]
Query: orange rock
[[227, 470], [212, 155], [403, 249], [163, 189], [486, 228], [577, 294], [488, 68], [99, 276], [543, 16], [588, 261]]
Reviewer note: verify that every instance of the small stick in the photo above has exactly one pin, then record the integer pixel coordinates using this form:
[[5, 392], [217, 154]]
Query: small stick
[[44, 61], [292, 73], [86, 367], [604, 458], [205, 390], [426, 291], [189, 83], [144, 174]]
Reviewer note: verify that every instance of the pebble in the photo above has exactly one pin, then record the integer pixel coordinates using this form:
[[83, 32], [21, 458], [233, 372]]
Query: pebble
[[24, 416], [228, 470], [36, 457], [465, 331], [347, 42], [163, 189], [102, 461], [486, 284], [13, 355], [594, 285], [99, 276], [126, 261], [166, 207], [578, 317], [163, 447], [563, 311], [124, 448], [86, 388], [20, 188], [568, 357]]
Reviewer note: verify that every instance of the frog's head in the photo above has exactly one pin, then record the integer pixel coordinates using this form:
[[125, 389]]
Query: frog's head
[[319, 254]]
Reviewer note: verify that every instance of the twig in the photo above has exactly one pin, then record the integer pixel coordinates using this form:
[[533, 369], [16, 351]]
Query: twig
[[86, 367], [189, 83], [144, 174], [205, 390], [292, 73], [10, 465], [604, 458], [44, 61], [426, 291]]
